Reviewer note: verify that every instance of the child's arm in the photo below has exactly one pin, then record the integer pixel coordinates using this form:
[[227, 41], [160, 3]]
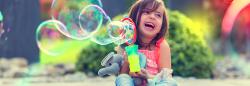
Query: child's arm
[[119, 50], [165, 56], [125, 67]]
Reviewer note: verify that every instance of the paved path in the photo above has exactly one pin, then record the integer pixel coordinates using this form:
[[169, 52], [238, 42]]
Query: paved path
[[110, 82]]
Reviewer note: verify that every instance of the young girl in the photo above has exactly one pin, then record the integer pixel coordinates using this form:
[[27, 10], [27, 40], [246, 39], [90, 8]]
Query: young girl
[[151, 22]]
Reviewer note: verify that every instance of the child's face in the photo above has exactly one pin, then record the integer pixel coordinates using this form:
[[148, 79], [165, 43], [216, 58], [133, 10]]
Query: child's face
[[151, 22]]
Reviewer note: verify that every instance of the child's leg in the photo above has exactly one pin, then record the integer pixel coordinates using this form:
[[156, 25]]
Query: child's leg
[[151, 82], [163, 78], [124, 80], [167, 82]]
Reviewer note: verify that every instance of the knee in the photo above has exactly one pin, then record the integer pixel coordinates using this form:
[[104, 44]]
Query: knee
[[124, 80], [168, 82]]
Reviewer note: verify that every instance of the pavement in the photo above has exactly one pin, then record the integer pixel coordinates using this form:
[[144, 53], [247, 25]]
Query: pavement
[[109, 81]]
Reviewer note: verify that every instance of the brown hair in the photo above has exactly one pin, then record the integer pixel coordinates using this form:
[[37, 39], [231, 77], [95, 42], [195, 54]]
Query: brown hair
[[149, 5]]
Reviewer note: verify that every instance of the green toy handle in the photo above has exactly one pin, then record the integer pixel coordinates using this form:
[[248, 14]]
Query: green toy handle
[[133, 58]]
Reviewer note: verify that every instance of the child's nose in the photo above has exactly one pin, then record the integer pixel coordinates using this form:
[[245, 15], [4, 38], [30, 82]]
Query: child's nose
[[151, 16]]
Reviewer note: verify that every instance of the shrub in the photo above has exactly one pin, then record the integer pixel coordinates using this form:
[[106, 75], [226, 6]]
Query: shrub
[[191, 56], [91, 57]]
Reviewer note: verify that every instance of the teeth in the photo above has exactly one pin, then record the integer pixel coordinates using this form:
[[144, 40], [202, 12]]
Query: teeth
[[148, 24]]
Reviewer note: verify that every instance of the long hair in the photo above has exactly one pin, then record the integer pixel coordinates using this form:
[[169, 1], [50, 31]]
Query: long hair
[[151, 5]]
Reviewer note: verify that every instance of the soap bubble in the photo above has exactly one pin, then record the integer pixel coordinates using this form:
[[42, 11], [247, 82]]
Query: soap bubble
[[122, 31], [72, 12], [1, 24], [101, 36], [49, 38], [130, 28], [1, 16]]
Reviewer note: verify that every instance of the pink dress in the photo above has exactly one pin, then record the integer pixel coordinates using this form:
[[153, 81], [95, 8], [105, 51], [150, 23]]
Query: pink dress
[[152, 58]]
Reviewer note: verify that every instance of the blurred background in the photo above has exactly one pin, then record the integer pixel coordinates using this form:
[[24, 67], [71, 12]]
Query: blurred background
[[209, 40]]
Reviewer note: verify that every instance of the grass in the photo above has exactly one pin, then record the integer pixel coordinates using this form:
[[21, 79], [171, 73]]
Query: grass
[[70, 51]]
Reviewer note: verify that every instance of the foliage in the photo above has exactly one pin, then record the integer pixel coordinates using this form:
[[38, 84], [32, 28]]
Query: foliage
[[91, 57], [191, 55]]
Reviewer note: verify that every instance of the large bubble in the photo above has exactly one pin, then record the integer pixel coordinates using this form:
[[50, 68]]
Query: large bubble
[[122, 31], [101, 36], [49, 38], [1, 16], [91, 18], [74, 14], [1, 24], [116, 32]]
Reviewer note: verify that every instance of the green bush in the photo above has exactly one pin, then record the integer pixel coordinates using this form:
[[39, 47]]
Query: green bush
[[191, 56], [91, 57]]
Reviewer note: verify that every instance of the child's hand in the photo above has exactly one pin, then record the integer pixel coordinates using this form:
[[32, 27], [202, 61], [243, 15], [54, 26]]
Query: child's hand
[[142, 74], [119, 50], [136, 74]]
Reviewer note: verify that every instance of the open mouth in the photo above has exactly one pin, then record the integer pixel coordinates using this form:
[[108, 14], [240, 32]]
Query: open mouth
[[149, 25]]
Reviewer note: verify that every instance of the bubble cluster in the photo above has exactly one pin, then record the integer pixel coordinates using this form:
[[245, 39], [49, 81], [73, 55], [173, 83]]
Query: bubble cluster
[[79, 16], [80, 20]]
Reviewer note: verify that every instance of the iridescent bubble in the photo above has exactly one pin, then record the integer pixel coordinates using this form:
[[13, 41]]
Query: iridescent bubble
[[101, 36], [91, 18], [122, 31], [116, 30], [1, 24], [1, 16], [130, 28], [49, 38], [69, 11]]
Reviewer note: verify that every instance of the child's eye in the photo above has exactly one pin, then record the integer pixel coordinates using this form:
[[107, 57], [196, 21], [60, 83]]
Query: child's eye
[[145, 12], [158, 15]]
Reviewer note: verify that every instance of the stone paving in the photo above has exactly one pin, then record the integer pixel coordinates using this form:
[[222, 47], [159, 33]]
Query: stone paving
[[110, 82]]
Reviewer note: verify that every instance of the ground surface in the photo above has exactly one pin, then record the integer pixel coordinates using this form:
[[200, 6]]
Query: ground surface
[[110, 82]]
